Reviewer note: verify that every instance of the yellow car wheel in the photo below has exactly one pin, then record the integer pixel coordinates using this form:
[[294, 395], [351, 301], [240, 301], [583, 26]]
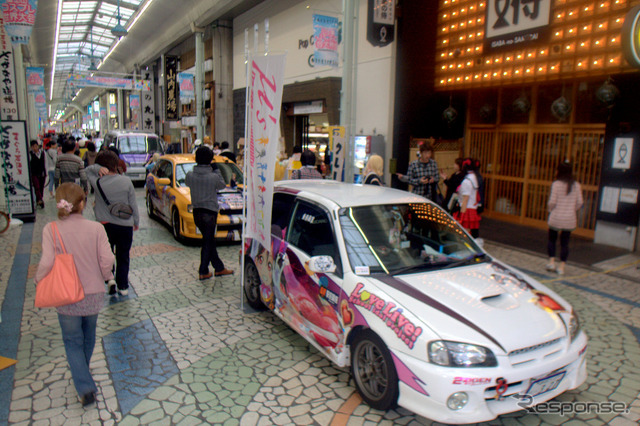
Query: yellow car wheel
[[175, 225]]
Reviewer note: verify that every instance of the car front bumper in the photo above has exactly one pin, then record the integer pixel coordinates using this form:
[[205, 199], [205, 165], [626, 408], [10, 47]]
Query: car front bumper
[[480, 385]]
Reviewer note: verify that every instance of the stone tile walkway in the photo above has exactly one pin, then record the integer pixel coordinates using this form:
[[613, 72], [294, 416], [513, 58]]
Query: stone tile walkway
[[180, 351]]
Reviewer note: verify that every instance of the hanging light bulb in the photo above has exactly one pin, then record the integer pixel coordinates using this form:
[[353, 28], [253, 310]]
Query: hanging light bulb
[[450, 114], [607, 93], [561, 108], [119, 30], [522, 105]]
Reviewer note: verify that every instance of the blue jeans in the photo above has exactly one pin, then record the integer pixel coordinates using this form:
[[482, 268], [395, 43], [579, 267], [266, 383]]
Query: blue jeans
[[79, 337], [52, 174]]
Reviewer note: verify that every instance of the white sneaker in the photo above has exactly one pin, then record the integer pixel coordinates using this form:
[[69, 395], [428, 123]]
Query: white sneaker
[[123, 292]]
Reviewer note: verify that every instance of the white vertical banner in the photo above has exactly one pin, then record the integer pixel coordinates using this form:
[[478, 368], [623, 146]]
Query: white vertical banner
[[8, 99], [266, 75], [338, 143]]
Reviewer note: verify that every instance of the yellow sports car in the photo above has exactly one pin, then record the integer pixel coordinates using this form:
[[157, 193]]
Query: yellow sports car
[[169, 199]]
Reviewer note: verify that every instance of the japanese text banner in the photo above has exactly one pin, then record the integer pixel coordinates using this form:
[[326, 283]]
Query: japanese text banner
[[266, 75]]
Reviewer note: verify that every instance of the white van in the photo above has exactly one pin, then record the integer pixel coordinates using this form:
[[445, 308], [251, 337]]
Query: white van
[[136, 148]]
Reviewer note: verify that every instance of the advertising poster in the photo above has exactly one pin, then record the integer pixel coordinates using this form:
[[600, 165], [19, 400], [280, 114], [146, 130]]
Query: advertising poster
[[19, 17], [325, 33], [266, 75], [81, 80], [8, 101], [134, 101], [187, 90], [14, 148], [35, 79]]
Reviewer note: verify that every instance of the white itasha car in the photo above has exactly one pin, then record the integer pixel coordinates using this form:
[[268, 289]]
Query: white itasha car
[[387, 282]]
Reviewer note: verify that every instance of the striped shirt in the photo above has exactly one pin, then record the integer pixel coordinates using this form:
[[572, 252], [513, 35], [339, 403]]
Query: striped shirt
[[306, 172], [563, 207], [70, 168]]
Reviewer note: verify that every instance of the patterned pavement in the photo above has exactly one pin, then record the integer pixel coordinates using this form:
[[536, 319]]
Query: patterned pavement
[[180, 351]]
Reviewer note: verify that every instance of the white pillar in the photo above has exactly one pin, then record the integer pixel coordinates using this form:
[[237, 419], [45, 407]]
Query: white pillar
[[347, 93]]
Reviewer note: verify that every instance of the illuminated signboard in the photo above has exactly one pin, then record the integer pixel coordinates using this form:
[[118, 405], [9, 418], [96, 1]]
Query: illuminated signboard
[[511, 23]]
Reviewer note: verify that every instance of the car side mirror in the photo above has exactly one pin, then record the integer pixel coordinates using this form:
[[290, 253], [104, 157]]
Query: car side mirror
[[322, 264], [164, 181]]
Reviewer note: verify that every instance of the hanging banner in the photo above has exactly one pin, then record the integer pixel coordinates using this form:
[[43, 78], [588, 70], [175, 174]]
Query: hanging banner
[[325, 35], [171, 87], [134, 101], [380, 22], [148, 105], [35, 79], [263, 118], [81, 80], [187, 88], [40, 99], [8, 101], [338, 143], [19, 17], [113, 109], [14, 148]]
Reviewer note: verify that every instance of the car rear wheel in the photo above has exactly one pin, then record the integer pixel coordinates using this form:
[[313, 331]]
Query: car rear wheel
[[175, 225], [373, 371], [150, 210], [251, 285]]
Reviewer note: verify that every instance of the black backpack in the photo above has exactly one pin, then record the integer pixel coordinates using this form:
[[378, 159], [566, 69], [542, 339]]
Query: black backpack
[[480, 207]]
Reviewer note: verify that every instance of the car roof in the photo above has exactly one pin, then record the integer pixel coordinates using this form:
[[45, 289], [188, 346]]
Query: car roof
[[191, 158], [348, 195]]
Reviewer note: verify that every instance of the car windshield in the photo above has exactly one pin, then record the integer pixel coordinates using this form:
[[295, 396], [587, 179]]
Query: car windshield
[[405, 238], [226, 169], [133, 144], [154, 145]]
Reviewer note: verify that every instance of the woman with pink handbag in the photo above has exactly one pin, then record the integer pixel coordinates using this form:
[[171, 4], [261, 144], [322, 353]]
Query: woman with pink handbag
[[87, 241]]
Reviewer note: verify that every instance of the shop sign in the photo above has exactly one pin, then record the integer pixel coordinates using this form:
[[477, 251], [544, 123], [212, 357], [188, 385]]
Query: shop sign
[[630, 37], [81, 80], [305, 108], [14, 149], [380, 22], [19, 17], [148, 106], [325, 35], [514, 23], [8, 102], [171, 87]]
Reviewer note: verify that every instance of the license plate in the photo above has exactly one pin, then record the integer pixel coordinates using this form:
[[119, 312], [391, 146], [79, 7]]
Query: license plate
[[546, 384]]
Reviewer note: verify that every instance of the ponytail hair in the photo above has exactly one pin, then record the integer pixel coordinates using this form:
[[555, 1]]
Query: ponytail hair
[[69, 197]]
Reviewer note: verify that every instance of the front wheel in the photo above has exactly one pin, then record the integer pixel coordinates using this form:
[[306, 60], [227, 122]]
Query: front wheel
[[251, 286], [175, 226], [373, 371], [150, 210]]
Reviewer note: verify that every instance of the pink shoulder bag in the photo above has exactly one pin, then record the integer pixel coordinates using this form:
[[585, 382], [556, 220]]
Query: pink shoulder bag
[[61, 286]]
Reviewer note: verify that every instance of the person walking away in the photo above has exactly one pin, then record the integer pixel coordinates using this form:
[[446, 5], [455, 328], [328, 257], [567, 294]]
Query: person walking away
[[117, 189], [422, 173], [38, 171], [122, 166], [89, 157], [51, 156], [468, 199], [204, 184], [373, 171], [308, 169], [225, 151], [69, 167], [564, 202], [87, 241], [452, 182]]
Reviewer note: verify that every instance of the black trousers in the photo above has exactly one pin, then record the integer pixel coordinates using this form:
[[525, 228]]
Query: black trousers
[[120, 239], [206, 221], [564, 244]]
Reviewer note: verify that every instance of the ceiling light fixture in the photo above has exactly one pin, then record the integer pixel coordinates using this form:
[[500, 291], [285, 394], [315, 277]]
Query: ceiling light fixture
[[119, 30], [55, 48]]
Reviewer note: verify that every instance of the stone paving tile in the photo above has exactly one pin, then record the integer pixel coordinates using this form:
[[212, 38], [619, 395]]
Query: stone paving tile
[[237, 366]]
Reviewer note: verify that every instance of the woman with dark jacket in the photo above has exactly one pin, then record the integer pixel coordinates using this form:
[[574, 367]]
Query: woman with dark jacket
[[452, 182]]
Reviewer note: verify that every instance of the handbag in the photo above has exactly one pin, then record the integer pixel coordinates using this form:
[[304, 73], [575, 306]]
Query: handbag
[[120, 210], [61, 286]]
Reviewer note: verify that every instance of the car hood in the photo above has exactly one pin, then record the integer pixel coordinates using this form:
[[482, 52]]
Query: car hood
[[504, 306]]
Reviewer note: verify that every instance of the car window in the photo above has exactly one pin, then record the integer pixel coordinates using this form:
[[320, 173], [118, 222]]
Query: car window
[[228, 170], [165, 170], [311, 232], [133, 144], [281, 213], [392, 238], [154, 145], [181, 172]]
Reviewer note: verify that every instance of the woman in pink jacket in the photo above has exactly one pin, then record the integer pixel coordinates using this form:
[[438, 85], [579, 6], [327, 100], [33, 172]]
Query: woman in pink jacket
[[564, 202], [87, 241]]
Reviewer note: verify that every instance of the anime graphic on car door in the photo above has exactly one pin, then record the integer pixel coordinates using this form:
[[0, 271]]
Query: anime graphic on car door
[[307, 300]]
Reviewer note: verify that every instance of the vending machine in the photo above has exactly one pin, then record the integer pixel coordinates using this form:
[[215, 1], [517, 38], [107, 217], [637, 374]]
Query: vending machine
[[363, 147]]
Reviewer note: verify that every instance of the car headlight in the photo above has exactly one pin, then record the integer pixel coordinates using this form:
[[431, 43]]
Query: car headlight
[[190, 208], [574, 326], [455, 354]]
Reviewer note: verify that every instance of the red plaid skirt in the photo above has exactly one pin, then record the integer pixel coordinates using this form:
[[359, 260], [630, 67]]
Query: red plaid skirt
[[470, 219]]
